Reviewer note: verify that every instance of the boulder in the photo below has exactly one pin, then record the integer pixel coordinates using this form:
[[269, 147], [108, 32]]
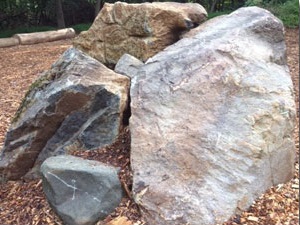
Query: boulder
[[80, 191], [141, 30], [212, 121], [77, 104]]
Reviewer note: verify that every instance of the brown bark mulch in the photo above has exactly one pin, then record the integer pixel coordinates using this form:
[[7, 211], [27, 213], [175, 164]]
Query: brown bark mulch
[[23, 202]]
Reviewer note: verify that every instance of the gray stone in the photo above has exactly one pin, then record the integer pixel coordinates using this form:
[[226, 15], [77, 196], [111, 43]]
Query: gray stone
[[128, 65], [77, 104], [141, 30], [80, 191], [212, 121]]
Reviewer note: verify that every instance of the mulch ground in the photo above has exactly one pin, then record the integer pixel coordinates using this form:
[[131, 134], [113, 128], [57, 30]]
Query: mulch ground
[[23, 202]]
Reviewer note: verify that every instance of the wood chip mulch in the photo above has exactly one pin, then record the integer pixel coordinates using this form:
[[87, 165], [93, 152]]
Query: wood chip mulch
[[23, 202]]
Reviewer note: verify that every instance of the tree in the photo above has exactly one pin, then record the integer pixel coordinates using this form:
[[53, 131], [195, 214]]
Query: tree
[[59, 14], [213, 6], [98, 7]]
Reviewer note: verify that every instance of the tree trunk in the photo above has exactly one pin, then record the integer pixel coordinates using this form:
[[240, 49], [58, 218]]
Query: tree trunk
[[222, 6], [213, 6], [97, 7], [46, 36], [60, 14], [8, 42]]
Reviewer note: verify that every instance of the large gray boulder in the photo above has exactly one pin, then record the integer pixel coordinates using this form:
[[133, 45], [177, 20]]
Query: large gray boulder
[[80, 191], [212, 121], [78, 104], [141, 30]]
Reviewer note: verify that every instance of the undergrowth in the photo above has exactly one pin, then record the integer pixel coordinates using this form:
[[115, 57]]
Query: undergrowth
[[286, 10], [81, 27]]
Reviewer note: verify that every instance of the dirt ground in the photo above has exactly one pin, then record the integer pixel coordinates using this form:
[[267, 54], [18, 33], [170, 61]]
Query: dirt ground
[[23, 202]]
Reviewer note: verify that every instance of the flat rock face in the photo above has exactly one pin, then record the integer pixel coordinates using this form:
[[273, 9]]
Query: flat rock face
[[212, 121], [128, 65], [80, 191], [77, 104], [141, 30]]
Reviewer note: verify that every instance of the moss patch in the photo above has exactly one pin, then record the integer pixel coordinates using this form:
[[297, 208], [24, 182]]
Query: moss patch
[[39, 84]]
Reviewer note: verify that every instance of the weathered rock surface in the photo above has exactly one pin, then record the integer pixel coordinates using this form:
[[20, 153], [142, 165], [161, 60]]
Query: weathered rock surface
[[80, 191], [212, 121], [128, 65], [77, 104], [141, 30]]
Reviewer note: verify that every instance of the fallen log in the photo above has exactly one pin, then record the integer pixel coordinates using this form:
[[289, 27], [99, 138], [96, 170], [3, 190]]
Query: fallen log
[[46, 36], [8, 42]]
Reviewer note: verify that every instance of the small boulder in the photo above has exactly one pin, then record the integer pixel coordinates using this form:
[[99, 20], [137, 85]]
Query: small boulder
[[78, 104], [128, 65], [141, 30], [80, 191]]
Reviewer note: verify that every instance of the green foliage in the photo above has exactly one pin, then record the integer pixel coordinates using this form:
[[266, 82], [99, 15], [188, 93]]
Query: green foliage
[[254, 3], [27, 13], [81, 27], [19, 30], [215, 14], [217, 5], [286, 10]]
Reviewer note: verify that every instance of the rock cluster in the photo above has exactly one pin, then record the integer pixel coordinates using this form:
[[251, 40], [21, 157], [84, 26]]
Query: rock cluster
[[212, 116]]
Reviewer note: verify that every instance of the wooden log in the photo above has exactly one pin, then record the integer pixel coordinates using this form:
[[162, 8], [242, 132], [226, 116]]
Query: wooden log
[[46, 36], [8, 42]]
